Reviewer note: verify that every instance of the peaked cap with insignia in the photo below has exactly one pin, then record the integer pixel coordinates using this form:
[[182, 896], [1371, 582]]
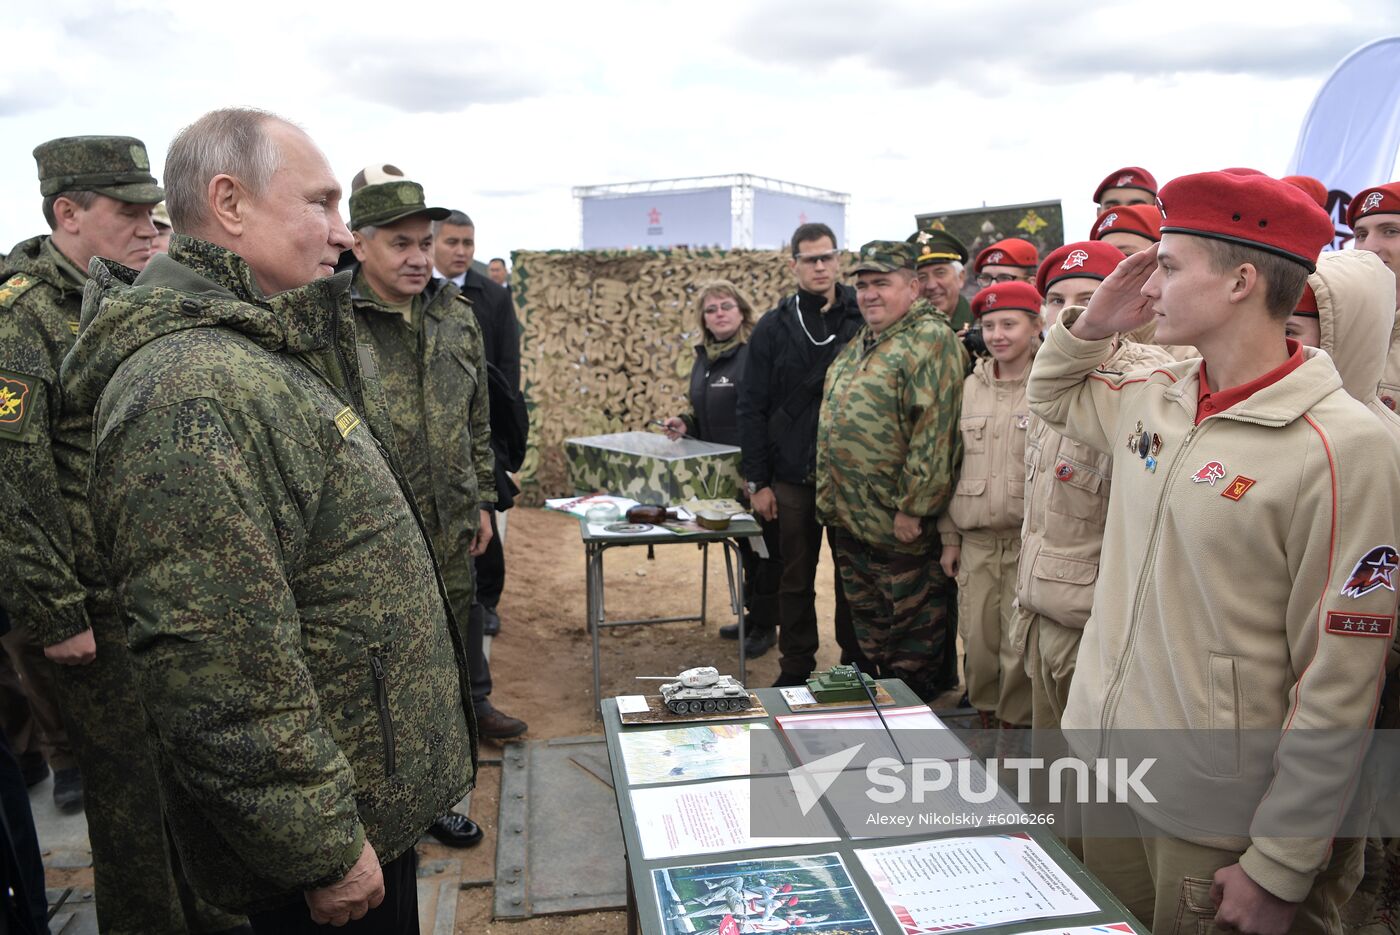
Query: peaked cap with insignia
[[115, 166]]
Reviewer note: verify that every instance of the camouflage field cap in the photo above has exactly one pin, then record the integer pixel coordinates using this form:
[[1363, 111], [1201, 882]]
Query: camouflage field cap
[[884, 256], [115, 166], [938, 246], [388, 202], [160, 216]]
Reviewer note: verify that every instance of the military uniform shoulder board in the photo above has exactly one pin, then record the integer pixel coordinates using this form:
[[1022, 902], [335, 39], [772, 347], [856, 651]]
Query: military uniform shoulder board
[[14, 287], [462, 297]]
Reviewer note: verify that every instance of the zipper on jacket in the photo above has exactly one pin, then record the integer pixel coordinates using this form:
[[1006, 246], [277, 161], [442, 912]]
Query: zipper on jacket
[[1115, 688], [386, 719]]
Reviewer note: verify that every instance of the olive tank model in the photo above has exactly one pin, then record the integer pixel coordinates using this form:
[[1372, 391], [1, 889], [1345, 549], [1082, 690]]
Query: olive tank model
[[702, 690], [840, 683]]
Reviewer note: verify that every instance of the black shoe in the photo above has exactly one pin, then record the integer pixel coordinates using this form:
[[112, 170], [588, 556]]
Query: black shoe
[[789, 680], [492, 624], [498, 726], [68, 789], [730, 631], [34, 768], [456, 830], [758, 642]]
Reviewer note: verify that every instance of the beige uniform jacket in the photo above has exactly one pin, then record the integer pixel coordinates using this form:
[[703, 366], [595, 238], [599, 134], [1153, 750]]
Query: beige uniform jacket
[[991, 489], [1067, 485], [1354, 290], [1246, 583]]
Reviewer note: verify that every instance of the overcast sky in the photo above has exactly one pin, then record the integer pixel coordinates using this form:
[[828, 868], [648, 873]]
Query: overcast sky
[[501, 108]]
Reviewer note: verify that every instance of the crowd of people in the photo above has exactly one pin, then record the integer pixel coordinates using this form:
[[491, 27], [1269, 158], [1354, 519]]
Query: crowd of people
[[1151, 479]]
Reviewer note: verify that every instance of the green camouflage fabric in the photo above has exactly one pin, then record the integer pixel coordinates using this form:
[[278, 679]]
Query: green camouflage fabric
[[387, 202], [116, 166], [433, 373], [289, 634], [897, 609], [652, 470], [58, 587], [884, 256], [887, 438]]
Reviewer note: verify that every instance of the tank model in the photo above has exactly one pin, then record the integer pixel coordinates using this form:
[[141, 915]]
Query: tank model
[[840, 683], [702, 691]]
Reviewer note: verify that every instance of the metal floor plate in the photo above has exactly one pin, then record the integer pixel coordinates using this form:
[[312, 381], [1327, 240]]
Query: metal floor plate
[[559, 848]]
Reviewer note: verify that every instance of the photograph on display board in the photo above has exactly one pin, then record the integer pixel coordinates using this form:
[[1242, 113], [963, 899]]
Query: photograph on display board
[[706, 751], [785, 894]]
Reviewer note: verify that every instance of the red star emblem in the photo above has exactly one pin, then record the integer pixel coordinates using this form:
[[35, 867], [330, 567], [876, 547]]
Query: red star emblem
[[653, 217], [1375, 570]]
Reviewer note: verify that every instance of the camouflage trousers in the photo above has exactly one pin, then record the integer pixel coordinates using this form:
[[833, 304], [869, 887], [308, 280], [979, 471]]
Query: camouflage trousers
[[896, 609], [137, 881]]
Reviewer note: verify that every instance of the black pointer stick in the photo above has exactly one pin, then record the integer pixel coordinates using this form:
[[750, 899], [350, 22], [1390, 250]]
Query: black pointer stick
[[874, 704]]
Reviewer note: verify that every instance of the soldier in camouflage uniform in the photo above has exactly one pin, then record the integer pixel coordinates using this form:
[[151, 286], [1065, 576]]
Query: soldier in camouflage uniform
[[290, 637], [887, 453], [426, 342], [98, 193]]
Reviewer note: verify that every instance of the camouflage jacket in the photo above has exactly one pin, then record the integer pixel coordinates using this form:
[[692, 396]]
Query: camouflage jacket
[[888, 439], [289, 635], [433, 370], [44, 453]]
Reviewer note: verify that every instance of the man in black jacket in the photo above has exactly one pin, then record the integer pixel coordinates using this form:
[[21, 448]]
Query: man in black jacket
[[779, 401]]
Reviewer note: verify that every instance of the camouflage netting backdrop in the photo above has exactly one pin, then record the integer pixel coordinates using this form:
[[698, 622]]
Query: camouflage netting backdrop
[[609, 339]]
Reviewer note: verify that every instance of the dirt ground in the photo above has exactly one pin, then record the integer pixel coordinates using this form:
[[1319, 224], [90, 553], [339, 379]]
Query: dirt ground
[[542, 671]]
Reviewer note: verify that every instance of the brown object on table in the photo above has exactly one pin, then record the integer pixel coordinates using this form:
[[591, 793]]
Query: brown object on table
[[712, 519], [646, 513]]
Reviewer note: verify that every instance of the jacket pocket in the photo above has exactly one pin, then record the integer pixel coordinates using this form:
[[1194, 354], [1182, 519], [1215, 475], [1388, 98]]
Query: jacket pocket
[[974, 434], [1077, 491], [1224, 716], [386, 717], [1062, 587]]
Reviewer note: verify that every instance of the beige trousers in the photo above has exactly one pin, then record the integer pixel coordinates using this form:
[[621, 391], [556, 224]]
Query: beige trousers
[[996, 677]]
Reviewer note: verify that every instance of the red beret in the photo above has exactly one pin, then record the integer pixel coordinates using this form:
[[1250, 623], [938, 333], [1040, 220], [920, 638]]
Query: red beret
[[1310, 186], [1253, 210], [1133, 219], [1307, 305], [1382, 199], [1010, 252], [1004, 296], [1128, 177], [1087, 259]]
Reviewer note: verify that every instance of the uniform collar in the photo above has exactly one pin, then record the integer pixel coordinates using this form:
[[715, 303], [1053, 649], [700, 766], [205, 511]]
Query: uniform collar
[[1212, 403]]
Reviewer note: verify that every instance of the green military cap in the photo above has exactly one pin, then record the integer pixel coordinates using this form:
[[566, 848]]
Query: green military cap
[[938, 246], [387, 202], [115, 166], [884, 256]]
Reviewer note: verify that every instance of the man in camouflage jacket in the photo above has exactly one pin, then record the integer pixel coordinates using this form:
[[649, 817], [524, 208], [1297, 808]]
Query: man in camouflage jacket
[[426, 342], [98, 194], [887, 453], [290, 636]]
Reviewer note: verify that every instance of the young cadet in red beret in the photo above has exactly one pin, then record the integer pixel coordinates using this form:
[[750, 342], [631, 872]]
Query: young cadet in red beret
[[1374, 217], [981, 529], [1131, 185], [1067, 486], [1010, 260], [1132, 228], [1247, 574]]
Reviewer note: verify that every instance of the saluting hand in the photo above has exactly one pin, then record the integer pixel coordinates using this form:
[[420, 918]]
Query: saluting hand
[[1118, 306]]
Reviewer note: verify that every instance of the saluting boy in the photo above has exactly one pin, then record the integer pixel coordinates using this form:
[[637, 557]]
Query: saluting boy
[[1247, 574]]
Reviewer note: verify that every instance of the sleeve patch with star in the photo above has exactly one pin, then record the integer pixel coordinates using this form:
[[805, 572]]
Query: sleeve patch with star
[[1346, 624]]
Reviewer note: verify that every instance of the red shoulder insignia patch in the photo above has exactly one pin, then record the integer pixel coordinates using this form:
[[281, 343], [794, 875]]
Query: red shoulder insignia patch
[[1375, 570], [1360, 624]]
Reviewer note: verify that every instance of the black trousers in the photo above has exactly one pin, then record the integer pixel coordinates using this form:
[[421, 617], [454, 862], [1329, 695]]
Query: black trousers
[[800, 542], [478, 666], [21, 866], [491, 569], [396, 915]]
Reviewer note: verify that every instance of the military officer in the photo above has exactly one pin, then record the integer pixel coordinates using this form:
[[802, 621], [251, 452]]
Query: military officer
[[942, 267], [426, 343], [98, 194], [887, 452]]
